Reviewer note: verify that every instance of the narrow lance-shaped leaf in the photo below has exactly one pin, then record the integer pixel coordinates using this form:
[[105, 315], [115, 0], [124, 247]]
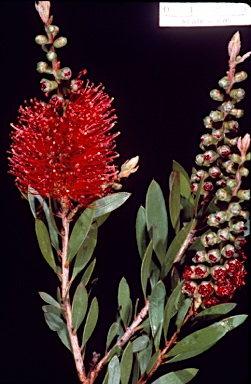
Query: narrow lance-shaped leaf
[[152, 361], [109, 203], [91, 321], [140, 343], [113, 331], [174, 201], [126, 364], [170, 308], [86, 250], [79, 232], [55, 323], [88, 272], [114, 371], [49, 299], [156, 219], [141, 231], [182, 312], [124, 301], [45, 243], [156, 311], [144, 357], [50, 308], [198, 194], [145, 267], [79, 306], [179, 377], [216, 310], [185, 183], [176, 246]]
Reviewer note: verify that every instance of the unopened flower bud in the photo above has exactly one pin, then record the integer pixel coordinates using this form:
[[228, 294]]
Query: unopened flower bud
[[41, 39], [130, 166], [244, 214], [214, 172], [224, 150], [244, 171], [215, 94], [194, 187], [189, 273], [230, 126], [47, 85], [234, 209], [43, 8], [43, 67], [209, 157], [64, 73], [200, 257], [218, 272], [52, 29], [239, 242], [237, 227], [218, 134], [235, 158], [243, 144], [216, 115], [207, 139], [190, 288], [208, 186], [228, 251], [221, 183], [201, 173], [199, 160], [224, 82], [51, 56], [231, 183], [213, 256], [221, 216], [229, 166], [206, 289], [57, 100], [223, 234], [237, 94], [240, 76], [209, 238], [60, 42], [230, 141], [248, 156], [237, 112], [227, 106], [244, 194], [201, 271], [223, 195], [208, 122]]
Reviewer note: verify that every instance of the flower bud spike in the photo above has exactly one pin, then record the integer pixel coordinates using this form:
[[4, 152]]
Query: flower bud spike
[[43, 8]]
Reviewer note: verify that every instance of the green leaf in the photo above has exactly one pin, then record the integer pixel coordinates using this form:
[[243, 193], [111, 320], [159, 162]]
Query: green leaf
[[91, 321], [207, 336], [175, 277], [197, 245], [101, 219], [187, 210], [144, 357], [182, 312], [212, 207], [79, 232], [174, 201], [215, 311], [49, 299], [156, 312], [126, 364], [79, 306], [156, 219], [31, 199], [170, 308], [189, 354], [109, 203], [45, 243], [52, 309], [135, 371], [175, 247], [114, 371], [185, 183], [86, 250], [113, 331], [116, 350], [154, 274], [141, 231], [198, 194], [124, 302], [152, 361], [140, 343], [88, 272], [56, 324], [145, 267], [179, 377]]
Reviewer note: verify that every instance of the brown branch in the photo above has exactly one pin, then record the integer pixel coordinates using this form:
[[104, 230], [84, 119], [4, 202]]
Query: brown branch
[[76, 351]]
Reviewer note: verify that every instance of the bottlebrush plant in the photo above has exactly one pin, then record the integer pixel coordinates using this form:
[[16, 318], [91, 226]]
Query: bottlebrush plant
[[63, 158]]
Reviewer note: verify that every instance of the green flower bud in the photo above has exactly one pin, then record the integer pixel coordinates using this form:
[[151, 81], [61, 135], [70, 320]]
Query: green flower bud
[[51, 56], [224, 82], [201, 173], [237, 227], [209, 157], [223, 195], [216, 95], [208, 186], [60, 42], [52, 29], [237, 94], [240, 76], [208, 239], [244, 171], [229, 166], [57, 100], [248, 156], [239, 242], [211, 220], [231, 183], [243, 194], [200, 257], [207, 139], [230, 126], [218, 134], [41, 39], [214, 172], [229, 141], [199, 159], [47, 85], [216, 115], [224, 150], [223, 234], [228, 251], [64, 73], [43, 67], [245, 214], [221, 183], [236, 158], [208, 122], [234, 209], [237, 112], [227, 106], [213, 256]]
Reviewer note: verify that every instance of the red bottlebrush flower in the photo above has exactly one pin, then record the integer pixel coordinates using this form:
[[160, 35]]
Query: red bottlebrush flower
[[67, 155], [189, 273], [211, 301], [189, 287], [206, 289], [225, 289]]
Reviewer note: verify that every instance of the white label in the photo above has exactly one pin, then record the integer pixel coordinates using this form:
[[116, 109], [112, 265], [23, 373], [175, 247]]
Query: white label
[[203, 14]]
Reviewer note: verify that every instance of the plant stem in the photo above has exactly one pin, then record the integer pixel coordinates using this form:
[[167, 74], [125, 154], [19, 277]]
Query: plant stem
[[66, 299]]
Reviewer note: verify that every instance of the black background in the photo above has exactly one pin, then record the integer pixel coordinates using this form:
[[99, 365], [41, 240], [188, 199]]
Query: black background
[[160, 79]]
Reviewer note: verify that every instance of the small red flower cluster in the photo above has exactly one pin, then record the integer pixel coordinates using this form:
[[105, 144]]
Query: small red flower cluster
[[66, 155]]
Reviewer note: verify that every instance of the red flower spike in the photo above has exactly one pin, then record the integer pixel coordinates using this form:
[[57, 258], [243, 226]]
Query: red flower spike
[[69, 156]]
